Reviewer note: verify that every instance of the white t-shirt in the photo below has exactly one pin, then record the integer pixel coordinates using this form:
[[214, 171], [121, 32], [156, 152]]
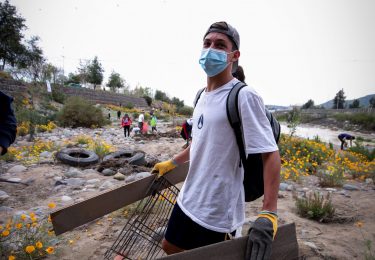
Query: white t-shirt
[[141, 118], [213, 193]]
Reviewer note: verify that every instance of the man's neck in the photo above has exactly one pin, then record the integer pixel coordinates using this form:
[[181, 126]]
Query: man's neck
[[219, 80]]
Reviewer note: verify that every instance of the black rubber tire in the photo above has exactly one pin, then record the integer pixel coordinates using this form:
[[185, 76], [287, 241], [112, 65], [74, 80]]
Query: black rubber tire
[[134, 158], [119, 154], [87, 157]]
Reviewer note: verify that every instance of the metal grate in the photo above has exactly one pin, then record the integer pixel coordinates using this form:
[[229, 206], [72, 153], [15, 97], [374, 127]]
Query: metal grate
[[142, 235]]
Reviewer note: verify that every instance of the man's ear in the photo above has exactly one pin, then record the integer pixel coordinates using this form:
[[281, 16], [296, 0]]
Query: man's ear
[[235, 55]]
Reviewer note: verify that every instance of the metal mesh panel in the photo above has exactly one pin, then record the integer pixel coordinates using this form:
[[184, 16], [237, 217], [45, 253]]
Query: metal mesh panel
[[142, 235]]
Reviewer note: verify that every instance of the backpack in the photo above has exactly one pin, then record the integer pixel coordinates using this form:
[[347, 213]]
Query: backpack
[[188, 130], [253, 164]]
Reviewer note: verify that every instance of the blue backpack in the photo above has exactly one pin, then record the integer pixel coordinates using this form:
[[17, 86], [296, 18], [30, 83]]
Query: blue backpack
[[253, 164]]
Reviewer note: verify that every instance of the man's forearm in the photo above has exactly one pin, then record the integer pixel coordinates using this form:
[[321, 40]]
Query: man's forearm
[[183, 156], [271, 174]]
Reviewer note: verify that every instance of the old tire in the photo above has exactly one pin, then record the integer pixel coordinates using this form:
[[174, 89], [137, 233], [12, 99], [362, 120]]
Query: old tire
[[77, 156], [134, 158]]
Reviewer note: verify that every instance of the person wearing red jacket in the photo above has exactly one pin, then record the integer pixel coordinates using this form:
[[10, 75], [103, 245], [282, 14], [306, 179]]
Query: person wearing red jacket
[[126, 122]]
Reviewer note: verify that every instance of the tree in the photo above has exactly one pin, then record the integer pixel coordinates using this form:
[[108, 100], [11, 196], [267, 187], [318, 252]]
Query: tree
[[308, 104], [339, 100], [162, 96], [115, 82], [95, 72], [372, 102], [355, 104], [50, 72], [140, 91], [179, 103], [73, 78], [11, 27]]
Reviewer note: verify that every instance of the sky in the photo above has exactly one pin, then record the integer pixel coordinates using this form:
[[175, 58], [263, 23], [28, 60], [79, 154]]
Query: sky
[[291, 50]]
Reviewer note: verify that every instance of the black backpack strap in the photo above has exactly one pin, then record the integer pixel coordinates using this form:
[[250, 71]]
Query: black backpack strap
[[199, 93], [234, 118]]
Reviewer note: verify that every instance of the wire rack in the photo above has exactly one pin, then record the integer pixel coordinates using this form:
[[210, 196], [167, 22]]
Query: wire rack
[[142, 235]]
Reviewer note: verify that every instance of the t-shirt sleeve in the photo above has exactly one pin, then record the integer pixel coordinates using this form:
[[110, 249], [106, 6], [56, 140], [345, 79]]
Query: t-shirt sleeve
[[258, 135]]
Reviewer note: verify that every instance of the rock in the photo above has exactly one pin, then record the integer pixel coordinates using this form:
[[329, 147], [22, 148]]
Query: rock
[[60, 182], [76, 182], [331, 189], [118, 176], [57, 178], [5, 209], [106, 185], [17, 169], [73, 173], [45, 154], [130, 178], [66, 198], [90, 171], [142, 175], [290, 188], [14, 179], [3, 196], [108, 172], [350, 187], [283, 186], [310, 244], [125, 171], [369, 181], [92, 181]]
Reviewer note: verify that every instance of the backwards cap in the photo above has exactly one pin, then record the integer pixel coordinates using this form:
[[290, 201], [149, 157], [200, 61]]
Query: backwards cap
[[231, 32]]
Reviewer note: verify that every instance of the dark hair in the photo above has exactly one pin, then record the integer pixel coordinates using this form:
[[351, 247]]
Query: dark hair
[[239, 74]]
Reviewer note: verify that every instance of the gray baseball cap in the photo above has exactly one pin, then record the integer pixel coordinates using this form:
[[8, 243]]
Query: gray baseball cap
[[231, 32]]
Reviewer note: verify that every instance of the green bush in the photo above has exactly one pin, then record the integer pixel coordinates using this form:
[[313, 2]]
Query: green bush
[[58, 95], [316, 207], [129, 105], [185, 110], [359, 148], [77, 112], [366, 120]]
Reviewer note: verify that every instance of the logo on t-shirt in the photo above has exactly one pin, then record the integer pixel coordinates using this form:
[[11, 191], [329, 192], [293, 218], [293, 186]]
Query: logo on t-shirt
[[200, 122]]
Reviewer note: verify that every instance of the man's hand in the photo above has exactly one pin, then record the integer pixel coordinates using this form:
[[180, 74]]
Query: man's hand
[[164, 167], [261, 235]]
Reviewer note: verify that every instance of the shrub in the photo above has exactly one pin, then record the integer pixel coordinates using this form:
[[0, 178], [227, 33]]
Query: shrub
[[332, 176], [129, 105], [148, 100], [101, 148], [27, 237], [366, 120], [185, 110], [77, 112], [360, 149], [58, 95], [316, 207]]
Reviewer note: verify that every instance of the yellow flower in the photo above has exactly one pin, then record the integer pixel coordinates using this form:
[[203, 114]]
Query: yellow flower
[[33, 219], [51, 232], [5, 233], [38, 244], [23, 217], [11, 257], [359, 224], [50, 250], [49, 218], [19, 226], [1, 227], [32, 215], [71, 242], [51, 205], [30, 249]]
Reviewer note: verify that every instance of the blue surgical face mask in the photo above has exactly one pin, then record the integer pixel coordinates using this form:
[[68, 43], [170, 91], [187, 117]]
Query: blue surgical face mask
[[213, 61]]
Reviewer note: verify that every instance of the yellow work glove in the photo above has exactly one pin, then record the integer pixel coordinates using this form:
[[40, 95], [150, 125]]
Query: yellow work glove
[[261, 235], [164, 167]]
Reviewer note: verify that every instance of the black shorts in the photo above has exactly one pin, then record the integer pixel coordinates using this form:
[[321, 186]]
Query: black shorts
[[186, 234]]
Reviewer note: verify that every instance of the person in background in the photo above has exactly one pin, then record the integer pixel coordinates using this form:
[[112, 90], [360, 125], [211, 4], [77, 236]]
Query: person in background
[[153, 123], [8, 123], [126, 122], [343, 137], [187, 126], [141, 119], [118, 115], [211, 205]]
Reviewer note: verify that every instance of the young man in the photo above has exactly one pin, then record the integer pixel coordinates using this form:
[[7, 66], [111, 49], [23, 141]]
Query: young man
[[211, 202]]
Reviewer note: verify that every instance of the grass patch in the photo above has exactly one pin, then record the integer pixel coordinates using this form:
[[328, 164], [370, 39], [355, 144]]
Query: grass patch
[[365, 120], [315, 206]]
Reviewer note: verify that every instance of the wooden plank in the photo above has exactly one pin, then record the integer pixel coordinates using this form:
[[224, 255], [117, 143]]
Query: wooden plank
[[284, 246], [70, 217]]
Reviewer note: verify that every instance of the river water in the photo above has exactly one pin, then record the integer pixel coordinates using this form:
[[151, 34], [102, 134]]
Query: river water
[[325, 134]]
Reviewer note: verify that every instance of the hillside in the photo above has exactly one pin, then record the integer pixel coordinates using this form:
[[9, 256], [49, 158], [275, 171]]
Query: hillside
[[363, 102]]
